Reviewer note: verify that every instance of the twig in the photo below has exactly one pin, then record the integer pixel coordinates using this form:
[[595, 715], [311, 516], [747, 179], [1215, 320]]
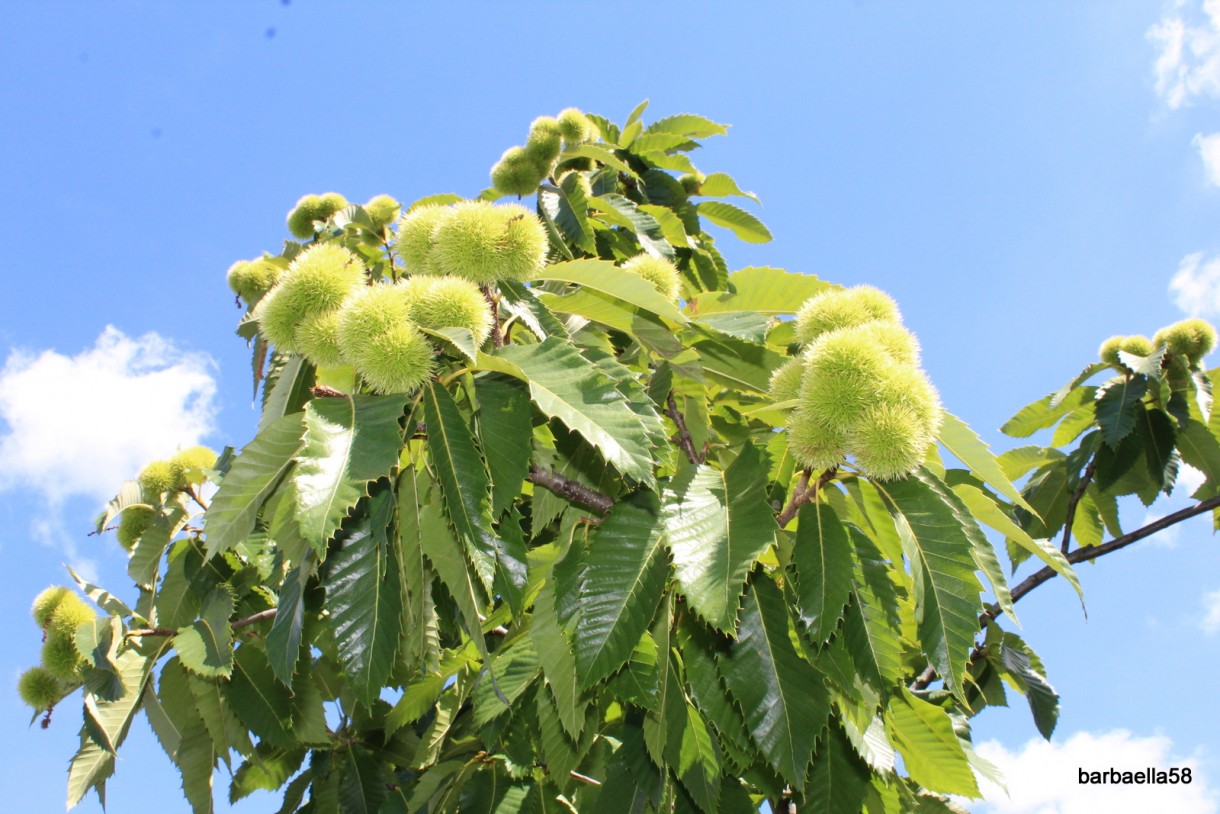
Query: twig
[[570, 490], [1079, 555], [195, 497], [497, 336], [684, 439], [321, 391], [803, 493], [252, 619], [1085, 479], [584, 778]]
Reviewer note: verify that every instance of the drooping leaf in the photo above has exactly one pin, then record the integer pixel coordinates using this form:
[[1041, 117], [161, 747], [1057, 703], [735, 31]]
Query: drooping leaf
[[720, 185], [697, 761], [839, 780], [558, 662], [463, 480], [348, 443], [717, 523], [261, 702], [364, 598], [623, 580], [232, 513], [566, 206], [1025, 669], [609, 279], [763, 290], [514, 668], [206, 647], [222, 724], [268, 771], [746, 226], [1115, 408], [623, 212], [965, 443], [931, 752], [363, 784], [564, 385], [1045, 412], [822, 558], [504, 423], [284, 640], [784, 699], [946, 590]]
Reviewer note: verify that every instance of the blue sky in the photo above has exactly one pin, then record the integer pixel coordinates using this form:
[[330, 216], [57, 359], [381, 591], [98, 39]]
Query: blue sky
[[1026, 179]]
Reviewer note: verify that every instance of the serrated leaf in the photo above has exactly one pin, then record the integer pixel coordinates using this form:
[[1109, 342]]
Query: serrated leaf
[[689, 125], [222, 724], [206, 647], [504, 413], [565, 385], [623, 580], [1200, 449], [363, 782], [460, 339], [822, 559], [872, 625], [764, 290], [267, 772], [261, 702], [839, 780], [568, 209], [720, 185], [100, 596], [965, 443], [364, 597], [946, 590], [1115, 408], [746, 226], [738, 365], [708, 689], [717, 523], [463, 480], [286, 389], [698, 761], [250, 480], [284, 640], [348, 442], [514, 669], [601, 155], [609, 279], [931, 752], [784, 699], [625, 213], [558, 663], [1046, 412], [1026, 670]]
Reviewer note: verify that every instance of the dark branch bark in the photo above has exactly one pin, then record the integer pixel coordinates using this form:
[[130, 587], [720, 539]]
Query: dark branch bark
[[1046, 573], [1085, 479], [497, 336], [684, 439], [569, 489], [803, 493]]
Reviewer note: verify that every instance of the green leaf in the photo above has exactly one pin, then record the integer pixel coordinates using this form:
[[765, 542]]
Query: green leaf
[[784, 700], [747, 227], [764, 290], [698, 761], [565, 385], [872, 626], [232, 513], [623, 580], [267, 772], [444, 552], [504, 414], [420, 635], [739, 365], [463, 480], [514, 669], [689, 125], [568, 209], [609, 279], [1025, 669], [284, 640], [107, 723], [717, 524], [1045, 412], [1200, 449], [839, 780], [558, 663], [708, 689], [364, 598], [931, 752], [363, 786], [222, 724], [459, 339], [620, 211], [946, 590], [719, 185], [822, 558], [206, 647], [1157, 432], [599, 154], [261, 702], [748, 325], [988, 513], [349, 442], [286, 389], [1116, 408], [964, 443]]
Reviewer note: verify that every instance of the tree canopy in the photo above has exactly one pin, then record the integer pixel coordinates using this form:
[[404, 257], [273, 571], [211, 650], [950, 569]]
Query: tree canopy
[[550, 510]]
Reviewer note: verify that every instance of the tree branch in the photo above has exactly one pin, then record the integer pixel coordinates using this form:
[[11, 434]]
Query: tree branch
[[1046, 573], [497, 336], [1074, 501], [803, 493], [252, 619], [569, 489], [684, 439]]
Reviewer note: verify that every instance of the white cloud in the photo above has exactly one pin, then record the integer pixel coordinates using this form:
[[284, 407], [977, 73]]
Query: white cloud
[[1195, 286], [1189, 479], [81, 425], [1210, 623], [1188, 64], [1042, 777], [1209, 149]]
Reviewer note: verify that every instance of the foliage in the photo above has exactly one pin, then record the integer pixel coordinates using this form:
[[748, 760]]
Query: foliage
[[558, 555]]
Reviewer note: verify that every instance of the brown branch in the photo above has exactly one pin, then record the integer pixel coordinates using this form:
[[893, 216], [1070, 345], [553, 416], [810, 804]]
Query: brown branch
[[191, 493], [323, 392], [252, 619], [569, 489], [1074, 501], [497, 336], [803, 493], [1046, 573], [684, 439]]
